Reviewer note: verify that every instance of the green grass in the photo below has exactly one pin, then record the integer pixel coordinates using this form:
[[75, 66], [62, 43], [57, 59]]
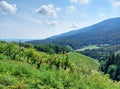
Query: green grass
[[89, 47], [82, 60], [21, 75]]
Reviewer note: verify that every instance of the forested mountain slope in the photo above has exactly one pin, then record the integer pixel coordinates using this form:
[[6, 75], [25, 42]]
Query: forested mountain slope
[[105, 32]]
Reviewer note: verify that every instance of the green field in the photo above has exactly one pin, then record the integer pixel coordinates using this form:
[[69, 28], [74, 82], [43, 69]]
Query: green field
[[88, 47]]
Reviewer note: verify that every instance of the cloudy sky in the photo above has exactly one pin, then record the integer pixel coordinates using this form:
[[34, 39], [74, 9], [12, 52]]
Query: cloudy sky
[[38, 19]]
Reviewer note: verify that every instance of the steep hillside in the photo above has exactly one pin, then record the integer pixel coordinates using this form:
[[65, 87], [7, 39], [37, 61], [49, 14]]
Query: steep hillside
[[106, 32], [82, 60], [26, 68], [15, 74]]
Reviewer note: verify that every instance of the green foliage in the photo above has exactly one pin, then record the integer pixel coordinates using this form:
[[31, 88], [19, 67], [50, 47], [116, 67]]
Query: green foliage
[[112, 71], [31, 69], [111, 65], [101, 52], [15, 52], [19, 75], [52, 48]]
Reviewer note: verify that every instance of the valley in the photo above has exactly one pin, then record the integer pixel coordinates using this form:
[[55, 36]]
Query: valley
[[86, 58], [59, 44]]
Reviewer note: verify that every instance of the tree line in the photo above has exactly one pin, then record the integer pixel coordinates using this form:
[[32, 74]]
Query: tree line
[[111, 65], [29, 54]]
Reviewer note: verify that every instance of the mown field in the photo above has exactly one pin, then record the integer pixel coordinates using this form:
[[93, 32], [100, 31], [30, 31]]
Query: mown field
[[88, 47]]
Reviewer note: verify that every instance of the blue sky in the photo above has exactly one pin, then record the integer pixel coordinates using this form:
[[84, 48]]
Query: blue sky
[[38, 19]]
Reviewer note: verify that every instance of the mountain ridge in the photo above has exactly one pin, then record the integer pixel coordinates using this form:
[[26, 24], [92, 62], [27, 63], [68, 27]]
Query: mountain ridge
[[81, 29], [105, 32]]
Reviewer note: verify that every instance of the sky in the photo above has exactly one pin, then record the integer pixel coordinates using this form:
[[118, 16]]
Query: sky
[[39, 19]]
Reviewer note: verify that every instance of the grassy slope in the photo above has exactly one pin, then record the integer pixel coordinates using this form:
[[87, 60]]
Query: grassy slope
[[19, 75], [89, 47], [97, 80], [82, 60]]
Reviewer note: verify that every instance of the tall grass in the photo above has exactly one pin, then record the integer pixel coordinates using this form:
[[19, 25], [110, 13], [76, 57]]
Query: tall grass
[[83, 75]]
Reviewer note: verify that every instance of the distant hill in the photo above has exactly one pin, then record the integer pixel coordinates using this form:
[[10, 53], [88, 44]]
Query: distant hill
[[105, 32], [15, 40]]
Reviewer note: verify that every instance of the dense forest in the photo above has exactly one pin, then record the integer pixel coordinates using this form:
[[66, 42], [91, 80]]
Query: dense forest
[[23, 66], [111, 65], [100, 52]]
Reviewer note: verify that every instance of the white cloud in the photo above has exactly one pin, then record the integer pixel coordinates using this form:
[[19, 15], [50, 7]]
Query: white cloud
[[116, 4], [5, 7], [58, 9], [70, 8], [80, 1], [48, 10], [51, 23]]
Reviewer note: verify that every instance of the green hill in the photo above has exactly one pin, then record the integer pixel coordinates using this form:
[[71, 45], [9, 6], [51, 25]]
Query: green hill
[[39, 70], [105, 32]]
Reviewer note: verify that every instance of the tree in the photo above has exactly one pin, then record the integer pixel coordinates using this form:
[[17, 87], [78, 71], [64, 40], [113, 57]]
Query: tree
[[112, 71]]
